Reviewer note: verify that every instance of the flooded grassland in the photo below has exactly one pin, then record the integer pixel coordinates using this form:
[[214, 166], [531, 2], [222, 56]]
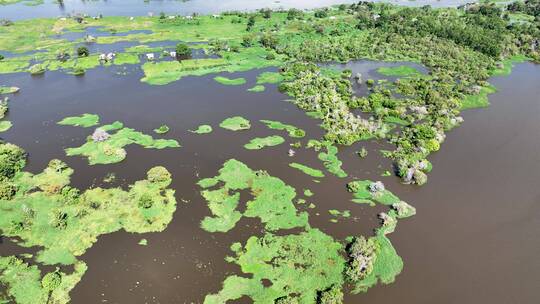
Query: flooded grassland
[[200, 178]]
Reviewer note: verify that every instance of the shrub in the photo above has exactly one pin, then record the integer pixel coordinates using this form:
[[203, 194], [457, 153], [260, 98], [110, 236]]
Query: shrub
[[83, 51], [145, 201], [159, 175], [12, 160], [51, 281], [334, 295], [183, 50]]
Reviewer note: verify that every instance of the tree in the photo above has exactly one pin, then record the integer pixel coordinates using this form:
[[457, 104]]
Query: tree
[[1, 57], [12, 160], [159, 175], [51, 281], [183, 50], [251, 23], [267, 13], [83, 51], [322, 13]]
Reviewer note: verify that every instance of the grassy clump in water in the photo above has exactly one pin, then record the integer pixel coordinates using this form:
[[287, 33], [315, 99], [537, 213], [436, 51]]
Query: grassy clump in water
[[257, 88], [298, 266], [43, 210], [292, 130], [107, 148], [4, 124], [229, 81], [269, 77], [262, 142], [162, 129], [203, 129], [399, 71], [235, 123], [329, 158], [272, 202], [363, 193], [479, 100], [307, 170], [8, 90], [86, 120], [26, 284]]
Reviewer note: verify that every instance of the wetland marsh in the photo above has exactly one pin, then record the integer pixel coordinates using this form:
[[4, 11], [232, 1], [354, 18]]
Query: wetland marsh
[[286, 160]]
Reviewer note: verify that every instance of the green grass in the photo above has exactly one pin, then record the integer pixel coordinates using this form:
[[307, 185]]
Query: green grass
[[86, 120], [363, 195], [112, 150], [398, 71], [8, 90], [269, 77], [508, 65], [262, 142], [257, 88], [307, 170], [331, 161], [162, 129], [235, 123], [480, 100], [229, 81], [203, 129], [292, 130]]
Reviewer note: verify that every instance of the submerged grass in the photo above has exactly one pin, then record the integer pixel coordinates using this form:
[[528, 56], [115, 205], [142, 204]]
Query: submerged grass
[[86, 120], [307, 170], [398, 71], [235, 123], [203, 129]]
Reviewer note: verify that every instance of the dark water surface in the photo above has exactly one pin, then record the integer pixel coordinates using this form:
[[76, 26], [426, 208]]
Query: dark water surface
[[143, 8], [473, 239]]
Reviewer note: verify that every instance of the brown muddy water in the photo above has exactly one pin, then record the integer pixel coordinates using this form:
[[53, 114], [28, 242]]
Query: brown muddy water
[[473, 239]]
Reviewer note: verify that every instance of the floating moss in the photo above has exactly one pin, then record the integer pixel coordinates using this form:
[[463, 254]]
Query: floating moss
[[86, 120], [235, 123], [292, 130], [5, 125], [162, 129], [143, 242], [203, 129], [307, 170], [257, 88], [331, 161], [229, 81], [262, 142], [399, 71], [109, 148], [308, 193], [272, 202], [298, 266]]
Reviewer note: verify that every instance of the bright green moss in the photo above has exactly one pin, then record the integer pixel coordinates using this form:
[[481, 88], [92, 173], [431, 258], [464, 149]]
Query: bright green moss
[[86, 120], [292, 130], [331, 161], [229, 81], [262, 142], [203, 129], [8, 90], [5, 125], [235, 123], [307, 170]]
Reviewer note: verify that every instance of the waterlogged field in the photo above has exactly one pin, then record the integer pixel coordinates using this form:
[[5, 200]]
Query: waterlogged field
[[265, 157]]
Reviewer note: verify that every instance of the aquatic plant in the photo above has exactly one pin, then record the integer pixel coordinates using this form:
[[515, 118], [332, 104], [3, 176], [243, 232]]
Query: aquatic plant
[[102, 147], [292, 130], [85, 120], [399, 71], [203, 129], [307, 170], [235, 123], [162, 129], [228, 81], [262, 142]]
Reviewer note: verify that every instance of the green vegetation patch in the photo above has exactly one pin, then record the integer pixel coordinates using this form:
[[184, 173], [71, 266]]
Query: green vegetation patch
[[292, 130], [269, 77], [229, 81], [235, 123], [86, 120], [331, 161], [298, 266], [272, 199], [257, 88], [8, 90], [162, 129], [5, 125], [369, 192], [105, 147], [398, 71], [203, 129], [262, 142], [307, 170], [480, 100]]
